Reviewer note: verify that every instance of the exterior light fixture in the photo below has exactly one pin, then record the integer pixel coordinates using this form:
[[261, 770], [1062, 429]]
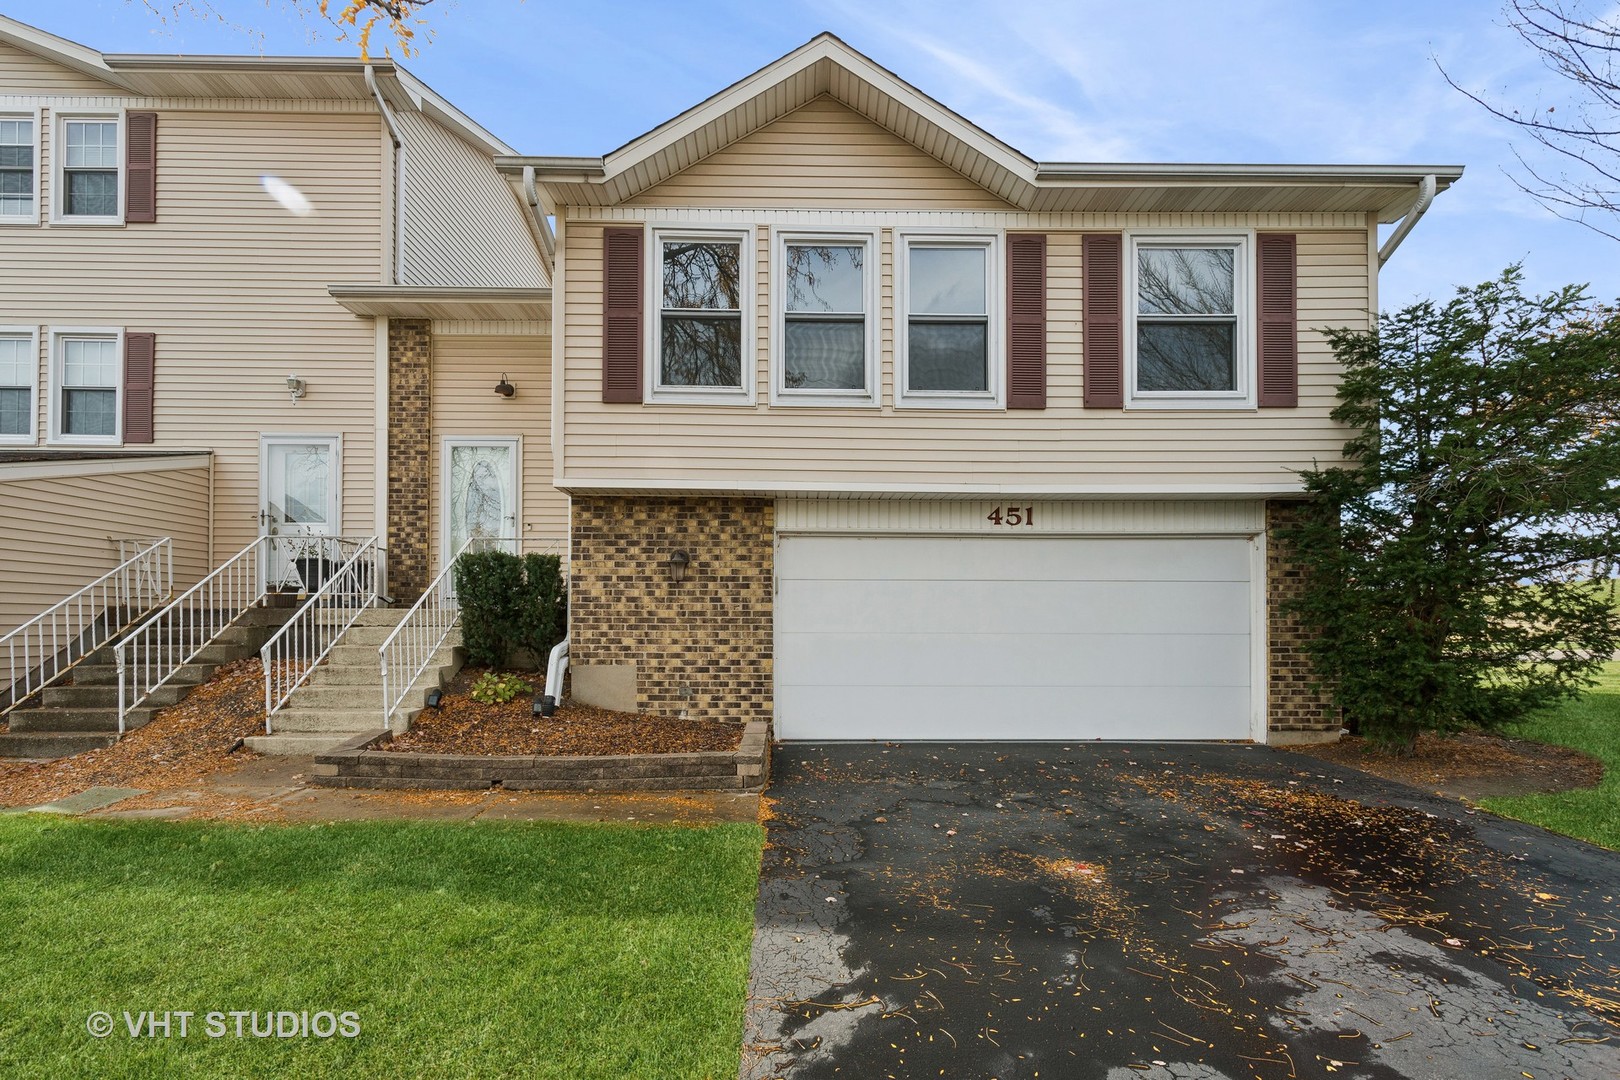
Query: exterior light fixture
[[435, 698], [504, 388], [678, 562], [296, 387]]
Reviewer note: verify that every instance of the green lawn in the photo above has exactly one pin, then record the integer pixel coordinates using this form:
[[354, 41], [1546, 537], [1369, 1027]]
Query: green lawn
[[1592, 724], [465, 949]]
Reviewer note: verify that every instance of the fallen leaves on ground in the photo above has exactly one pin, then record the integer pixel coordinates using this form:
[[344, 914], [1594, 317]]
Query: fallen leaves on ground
[[182, 745], [1472, 764], [463, 726]]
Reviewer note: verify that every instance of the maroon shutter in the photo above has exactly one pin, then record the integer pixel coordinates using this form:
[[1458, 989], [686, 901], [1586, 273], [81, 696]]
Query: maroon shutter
[[1026, 321], [140, 168], [621, 315], [1279, 321], [1102, 346], [140, 363]]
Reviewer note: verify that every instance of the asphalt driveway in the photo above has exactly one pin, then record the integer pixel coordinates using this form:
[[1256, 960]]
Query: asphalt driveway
[[1187, 911]]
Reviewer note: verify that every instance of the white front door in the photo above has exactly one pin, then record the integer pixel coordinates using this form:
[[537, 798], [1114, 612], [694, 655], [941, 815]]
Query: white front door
[[480, 493], [299, 482]]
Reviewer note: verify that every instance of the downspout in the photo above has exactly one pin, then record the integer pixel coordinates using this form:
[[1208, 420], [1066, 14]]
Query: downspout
[[1426, 190], [399, 174], [531, 193]]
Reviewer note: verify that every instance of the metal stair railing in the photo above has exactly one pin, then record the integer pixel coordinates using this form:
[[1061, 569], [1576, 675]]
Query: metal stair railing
[[293, 651], [69, 630]]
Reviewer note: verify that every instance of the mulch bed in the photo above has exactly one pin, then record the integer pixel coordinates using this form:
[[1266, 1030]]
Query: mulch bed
[[183, 744], [1469, 765], [463, 726]]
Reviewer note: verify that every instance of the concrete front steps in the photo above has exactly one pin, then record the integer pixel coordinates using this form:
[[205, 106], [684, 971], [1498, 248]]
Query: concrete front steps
[[80, 711], [343, 696]]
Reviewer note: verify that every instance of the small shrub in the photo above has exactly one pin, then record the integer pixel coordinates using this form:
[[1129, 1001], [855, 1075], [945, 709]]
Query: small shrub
[[508, 604], [493, 689]]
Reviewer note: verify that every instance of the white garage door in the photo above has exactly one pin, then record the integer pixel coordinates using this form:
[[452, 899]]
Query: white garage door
[[999, 638]]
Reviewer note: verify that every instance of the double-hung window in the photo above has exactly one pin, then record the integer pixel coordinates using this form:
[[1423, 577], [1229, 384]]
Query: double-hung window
[[88, 181], [826, 332], [19, 363], [949, 345], [87, 379], [1190, 332], [701, 347], [19, 169]]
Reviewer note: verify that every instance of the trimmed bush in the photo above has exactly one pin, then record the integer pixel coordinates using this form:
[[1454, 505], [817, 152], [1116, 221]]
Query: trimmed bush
[[510, 604]]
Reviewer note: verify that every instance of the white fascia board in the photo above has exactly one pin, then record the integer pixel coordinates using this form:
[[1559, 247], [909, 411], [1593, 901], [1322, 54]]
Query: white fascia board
[[48, 46], [1282, 489], [424, 99]]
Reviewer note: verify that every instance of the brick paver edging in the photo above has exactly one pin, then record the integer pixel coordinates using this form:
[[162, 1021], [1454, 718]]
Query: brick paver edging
[[361, 763]]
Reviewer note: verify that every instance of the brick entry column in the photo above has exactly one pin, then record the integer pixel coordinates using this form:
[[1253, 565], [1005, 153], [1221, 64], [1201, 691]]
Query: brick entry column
[[410, 441], [1295, 712]]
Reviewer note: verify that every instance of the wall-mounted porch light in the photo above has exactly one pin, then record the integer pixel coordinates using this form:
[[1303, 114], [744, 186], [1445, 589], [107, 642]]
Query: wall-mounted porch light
[[296, 387], [678, 562], [504, 388]]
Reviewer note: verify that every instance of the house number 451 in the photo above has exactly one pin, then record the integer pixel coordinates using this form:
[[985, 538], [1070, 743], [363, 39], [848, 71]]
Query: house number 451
[[1011, 515]]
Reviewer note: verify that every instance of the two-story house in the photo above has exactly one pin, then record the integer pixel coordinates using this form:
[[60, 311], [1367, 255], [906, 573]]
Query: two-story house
[[243, 295], [876, 428]]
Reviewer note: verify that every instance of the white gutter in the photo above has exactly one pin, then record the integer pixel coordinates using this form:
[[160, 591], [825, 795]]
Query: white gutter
[[531, 193], [1426, 190], [399, 174]]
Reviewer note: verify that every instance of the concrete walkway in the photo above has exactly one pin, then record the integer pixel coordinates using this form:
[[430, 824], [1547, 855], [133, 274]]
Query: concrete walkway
[[1186, 911]]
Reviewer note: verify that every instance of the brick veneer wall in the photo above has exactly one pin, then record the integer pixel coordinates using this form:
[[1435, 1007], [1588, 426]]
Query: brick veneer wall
[[703, 647], [410, 441], [1296, 713]]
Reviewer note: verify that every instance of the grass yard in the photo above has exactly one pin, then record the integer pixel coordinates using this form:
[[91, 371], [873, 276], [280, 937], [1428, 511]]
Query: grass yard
[[1592, 724], [540, 950]]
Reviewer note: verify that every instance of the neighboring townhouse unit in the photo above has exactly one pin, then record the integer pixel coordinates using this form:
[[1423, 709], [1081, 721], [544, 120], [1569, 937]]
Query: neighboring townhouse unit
[[878, 429], [251, 295]]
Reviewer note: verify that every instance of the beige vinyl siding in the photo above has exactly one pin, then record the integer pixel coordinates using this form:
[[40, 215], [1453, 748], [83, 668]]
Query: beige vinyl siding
[[823, 154], [234, 288], [1063, 446], [22, 72], [61, 532], [465, 371], [463, 224]]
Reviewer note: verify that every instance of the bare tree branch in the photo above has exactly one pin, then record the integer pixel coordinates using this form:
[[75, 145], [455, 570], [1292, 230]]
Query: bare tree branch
[[351, 21]]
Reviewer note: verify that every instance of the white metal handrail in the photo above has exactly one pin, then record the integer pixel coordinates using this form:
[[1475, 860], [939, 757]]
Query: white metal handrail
[[153, 652], [69, 630], [293, 651]]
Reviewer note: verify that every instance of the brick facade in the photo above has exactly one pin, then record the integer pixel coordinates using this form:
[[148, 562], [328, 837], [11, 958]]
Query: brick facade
[[703, 647], [410, 441], [1295, 713]]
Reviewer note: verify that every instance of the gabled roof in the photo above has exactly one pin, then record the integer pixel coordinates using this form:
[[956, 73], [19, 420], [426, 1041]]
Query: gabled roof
[[826, 66], [332, 78]]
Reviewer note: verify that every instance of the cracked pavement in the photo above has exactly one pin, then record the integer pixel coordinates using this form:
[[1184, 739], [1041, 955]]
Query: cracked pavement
[[1188, 911]]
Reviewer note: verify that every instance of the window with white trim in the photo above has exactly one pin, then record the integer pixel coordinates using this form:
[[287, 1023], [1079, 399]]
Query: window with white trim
[[88, 170], [87, 377], [19, 366], [19, 169], [826, 330], [947, 324], [1188, 309], [702, 344]]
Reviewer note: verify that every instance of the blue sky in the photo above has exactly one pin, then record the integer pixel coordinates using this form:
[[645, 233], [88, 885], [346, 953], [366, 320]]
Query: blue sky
[[1062, 80]]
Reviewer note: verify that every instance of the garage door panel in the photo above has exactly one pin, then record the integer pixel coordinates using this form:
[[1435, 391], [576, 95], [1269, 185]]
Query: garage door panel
[[1039, 559], [1013, 662], [1011, 607], [957, 713]]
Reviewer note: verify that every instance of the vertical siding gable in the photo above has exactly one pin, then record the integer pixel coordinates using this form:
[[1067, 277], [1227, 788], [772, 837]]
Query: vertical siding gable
[[823, 154]]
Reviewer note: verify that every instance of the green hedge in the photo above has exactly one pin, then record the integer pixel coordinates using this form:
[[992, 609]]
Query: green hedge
[[510, 603]]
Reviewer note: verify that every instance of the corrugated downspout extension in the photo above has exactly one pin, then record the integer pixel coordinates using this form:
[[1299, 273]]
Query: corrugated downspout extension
[[556, 669], [1426, 190], [399, 175]]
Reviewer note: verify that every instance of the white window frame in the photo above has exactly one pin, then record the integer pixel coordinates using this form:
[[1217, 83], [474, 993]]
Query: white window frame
[[59, 161], [31, 333], [1242, 396], [54, 408], [36, 116], [872, 296], [748, 286], [995, 313]]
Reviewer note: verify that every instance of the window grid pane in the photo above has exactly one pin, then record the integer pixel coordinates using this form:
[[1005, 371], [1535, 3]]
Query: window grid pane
[[92, 144], [948, 280], [824, 354], [14, 410], [89, 362], [16, 167], [16, 365], [1193, 281], [89, 412], [91, 194], [1186, 356], [947, 356], [702, 276], [826, 278], [701, 350]]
